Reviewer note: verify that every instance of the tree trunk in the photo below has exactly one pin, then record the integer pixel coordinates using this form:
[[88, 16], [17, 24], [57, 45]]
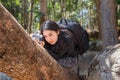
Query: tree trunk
[[22, 58], [63, 8], [97, 2], [108, 22], [106, 65], [43, 9], [31, 17], [25, 14]]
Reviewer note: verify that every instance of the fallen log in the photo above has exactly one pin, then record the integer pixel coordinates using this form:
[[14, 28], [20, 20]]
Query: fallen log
[[106, 64], [23, 59]]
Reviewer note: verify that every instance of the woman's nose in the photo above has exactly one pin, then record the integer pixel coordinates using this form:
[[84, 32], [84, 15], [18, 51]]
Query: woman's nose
[[48, 39]]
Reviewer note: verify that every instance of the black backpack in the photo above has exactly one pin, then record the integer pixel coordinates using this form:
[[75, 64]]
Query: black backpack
[[80, 34]]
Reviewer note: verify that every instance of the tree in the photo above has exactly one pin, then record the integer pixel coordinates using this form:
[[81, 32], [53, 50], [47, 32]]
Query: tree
[[22, 58], [25, 14], [98, 16], [43, 9], [31, 16], [63, 8], [108, 22]]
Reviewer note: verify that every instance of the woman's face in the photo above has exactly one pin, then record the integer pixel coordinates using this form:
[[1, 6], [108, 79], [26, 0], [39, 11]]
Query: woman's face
[[51, 36]]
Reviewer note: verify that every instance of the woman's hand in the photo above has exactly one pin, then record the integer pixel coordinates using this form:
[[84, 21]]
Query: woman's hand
[[41, 43]]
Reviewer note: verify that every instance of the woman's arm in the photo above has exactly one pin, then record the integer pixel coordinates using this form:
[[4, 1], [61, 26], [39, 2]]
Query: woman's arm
[[54, 55], [68, 47]]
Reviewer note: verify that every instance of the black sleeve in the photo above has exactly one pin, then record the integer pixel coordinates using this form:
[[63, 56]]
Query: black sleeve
[[68, 48], [54, 55]]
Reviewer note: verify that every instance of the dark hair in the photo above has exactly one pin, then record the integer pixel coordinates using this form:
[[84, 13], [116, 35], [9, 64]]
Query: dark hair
[[49, 25]]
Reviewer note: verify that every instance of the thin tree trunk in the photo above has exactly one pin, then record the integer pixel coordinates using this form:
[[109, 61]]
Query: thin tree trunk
[[43, 10], [53, 9], [31, 17], [63, 8], [61, 5], [98, 16], [22, 58], [82, 7], [25, 14], [89, 16]]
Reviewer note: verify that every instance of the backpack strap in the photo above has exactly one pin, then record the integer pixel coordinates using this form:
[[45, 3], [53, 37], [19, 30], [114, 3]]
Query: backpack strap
[[63, 21]]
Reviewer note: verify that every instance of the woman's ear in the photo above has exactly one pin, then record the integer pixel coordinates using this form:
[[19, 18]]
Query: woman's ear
[[58, 32]]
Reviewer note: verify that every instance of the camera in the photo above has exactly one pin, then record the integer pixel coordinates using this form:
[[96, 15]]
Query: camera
[[37, 36]]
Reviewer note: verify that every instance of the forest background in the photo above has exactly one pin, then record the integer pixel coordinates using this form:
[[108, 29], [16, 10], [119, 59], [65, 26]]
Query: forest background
[[32, 13]]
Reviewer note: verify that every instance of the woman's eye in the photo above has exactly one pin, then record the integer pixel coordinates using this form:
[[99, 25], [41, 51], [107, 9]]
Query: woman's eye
[[51, 35]]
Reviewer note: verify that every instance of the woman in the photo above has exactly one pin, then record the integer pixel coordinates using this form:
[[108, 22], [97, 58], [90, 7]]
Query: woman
[[59, 43]]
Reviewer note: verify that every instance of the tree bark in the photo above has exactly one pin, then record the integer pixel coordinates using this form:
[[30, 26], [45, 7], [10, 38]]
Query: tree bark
[[30, 17], [97, 2], [43, 10], [22, 58], [106, 65], [108, 22], [25, 14]]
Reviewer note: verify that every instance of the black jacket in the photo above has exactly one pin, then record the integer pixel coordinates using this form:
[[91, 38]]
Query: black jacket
[[63, 48]]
